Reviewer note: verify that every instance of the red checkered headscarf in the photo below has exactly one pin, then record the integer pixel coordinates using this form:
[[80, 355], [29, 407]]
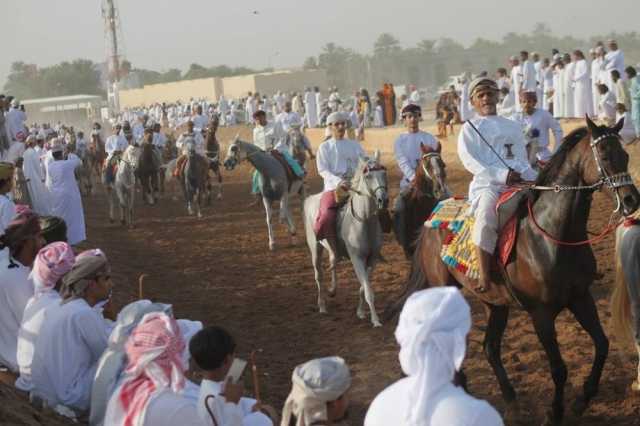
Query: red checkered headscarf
[[52, 263], [154, 352]]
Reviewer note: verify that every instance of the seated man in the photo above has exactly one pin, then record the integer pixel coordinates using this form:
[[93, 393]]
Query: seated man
[[74, 336], [114, 147], [493, 150], [213, 350], [320, 393], [20, 245], [189, 137], [537, 124], [408, 152], [432, 332], [336, 160], [150, 392], [51, 264]]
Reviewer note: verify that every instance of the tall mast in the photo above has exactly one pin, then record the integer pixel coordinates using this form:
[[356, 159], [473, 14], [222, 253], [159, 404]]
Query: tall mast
[[111, 27]]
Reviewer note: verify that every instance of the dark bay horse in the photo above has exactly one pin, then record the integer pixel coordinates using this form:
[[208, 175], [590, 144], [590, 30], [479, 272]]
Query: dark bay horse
[[213, 154], [147, 170], [552, 265], [427, 189]]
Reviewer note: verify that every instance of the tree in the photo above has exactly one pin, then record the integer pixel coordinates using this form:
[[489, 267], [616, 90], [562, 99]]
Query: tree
[[386, 45], [196, 71], [310, 63]]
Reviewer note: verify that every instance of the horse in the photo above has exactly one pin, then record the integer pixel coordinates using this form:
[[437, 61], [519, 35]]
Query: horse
[[625, 300], [147, 170], [427, 189], [84, 172], [193, 180], [298, 149], [124, 187], [359, 233], [275, 184], [553, 264], [96, 155]]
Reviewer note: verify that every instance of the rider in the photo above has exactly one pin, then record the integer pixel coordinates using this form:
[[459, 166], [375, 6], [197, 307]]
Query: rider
[[189, 135], [336, 160], [81, 144], [271, 137], [537, 123], [408, 152], [212, 144], [159, 138], [491, 176], [114, 146]]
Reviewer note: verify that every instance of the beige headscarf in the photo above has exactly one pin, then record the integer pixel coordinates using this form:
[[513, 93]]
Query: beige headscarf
[[89, 264], [315, 383]]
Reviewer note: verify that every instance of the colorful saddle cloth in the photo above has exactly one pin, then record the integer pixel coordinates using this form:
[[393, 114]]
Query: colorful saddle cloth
[[458, 250]]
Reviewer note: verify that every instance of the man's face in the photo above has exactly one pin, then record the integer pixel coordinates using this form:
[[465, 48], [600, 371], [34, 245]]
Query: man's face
[[523, 57], [613, 46], [412, 121], [339, 129], [261, 119], [528, 104], [117, 130], [100, 289], [190, 126], [484, 101], [33, 245], [287, 107], [148, 136]]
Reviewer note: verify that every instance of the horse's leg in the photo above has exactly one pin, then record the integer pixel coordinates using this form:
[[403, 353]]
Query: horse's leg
[[496, 324], [360, 267], [544, 324], [110, 198], [219, 185], [198, 198], [636, 384], [132, 199], [584, 309], [291, 226], [267, 209], [316, 260]]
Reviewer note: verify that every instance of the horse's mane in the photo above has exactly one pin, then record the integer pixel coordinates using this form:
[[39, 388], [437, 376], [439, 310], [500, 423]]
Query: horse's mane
[[551, 170], [359, 171]]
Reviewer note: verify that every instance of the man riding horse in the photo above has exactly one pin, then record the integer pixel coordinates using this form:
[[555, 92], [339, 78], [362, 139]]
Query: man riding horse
[[408, 150], [270, 137], [189, 135], [493, 150], [114, 147]]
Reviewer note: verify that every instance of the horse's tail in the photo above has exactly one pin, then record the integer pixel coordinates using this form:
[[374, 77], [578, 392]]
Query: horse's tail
[[416, 281], [621, 319]]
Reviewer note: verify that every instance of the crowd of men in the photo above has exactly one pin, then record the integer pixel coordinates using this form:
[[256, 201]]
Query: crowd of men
[[71, 350]]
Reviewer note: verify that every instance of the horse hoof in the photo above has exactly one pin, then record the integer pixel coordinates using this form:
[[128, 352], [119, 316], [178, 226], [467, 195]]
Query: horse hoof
[[376, 324], [361, 314], [294, 240], [579, 406], [322, 309], [331, 292], [635, 386], [272, 246], [219, 197]]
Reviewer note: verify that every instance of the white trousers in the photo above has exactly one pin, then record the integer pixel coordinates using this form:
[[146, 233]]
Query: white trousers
[[485, 230]]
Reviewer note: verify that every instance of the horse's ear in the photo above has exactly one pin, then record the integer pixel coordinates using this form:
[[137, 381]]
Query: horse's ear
[[236, 138], [376, 156], [590, 124], [619, 125], [439, 148]]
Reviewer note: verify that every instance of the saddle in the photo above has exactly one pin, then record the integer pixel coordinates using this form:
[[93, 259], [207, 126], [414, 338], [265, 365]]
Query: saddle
[[458, 250], [291, 176]]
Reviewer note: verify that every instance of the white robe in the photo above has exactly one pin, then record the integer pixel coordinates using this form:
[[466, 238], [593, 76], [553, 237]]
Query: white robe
[[628, 131], [529, 76], [269, 137], [582, 92], [35, 314], [607, 107], [452, 407], [596, 72], [465, 106], [569, 105], [15, 291], [286, 119], [34, 172], [14, 122], [545, 123], [516, 83], [337, 160], [558, 93], [319, 106], [67, 352], [408, 153], [66, 201], [311, 109], [7, 212], [115, 143], [614, 60], [228, 414]]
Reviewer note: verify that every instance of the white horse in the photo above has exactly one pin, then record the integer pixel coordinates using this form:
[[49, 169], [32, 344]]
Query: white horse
[[359, 233], [625, 300], [124, 187], [275, 184]]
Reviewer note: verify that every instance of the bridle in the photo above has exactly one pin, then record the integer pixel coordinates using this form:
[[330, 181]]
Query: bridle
[[612, 182], [428, 156], [371, 194]]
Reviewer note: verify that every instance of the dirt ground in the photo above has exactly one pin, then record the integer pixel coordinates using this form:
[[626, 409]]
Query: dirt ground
[[219, 270]]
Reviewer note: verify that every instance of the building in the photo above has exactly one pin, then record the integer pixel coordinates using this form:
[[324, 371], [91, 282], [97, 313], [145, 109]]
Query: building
[[76, 110], [231, 87]]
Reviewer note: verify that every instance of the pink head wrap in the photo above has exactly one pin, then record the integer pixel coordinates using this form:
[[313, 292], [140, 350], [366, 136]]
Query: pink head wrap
[[52, 263], [154, 351], [23, 209]]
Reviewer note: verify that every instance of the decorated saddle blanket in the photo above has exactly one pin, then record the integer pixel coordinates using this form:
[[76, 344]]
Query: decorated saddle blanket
[[458, 250]]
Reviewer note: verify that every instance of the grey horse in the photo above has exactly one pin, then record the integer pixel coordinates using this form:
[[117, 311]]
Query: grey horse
[[359, 232], [124, 187], [625, 301], [275, 185]]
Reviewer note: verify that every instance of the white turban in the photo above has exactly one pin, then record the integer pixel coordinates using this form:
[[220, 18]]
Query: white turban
[[432, 333], [336, 117], [315, 383]]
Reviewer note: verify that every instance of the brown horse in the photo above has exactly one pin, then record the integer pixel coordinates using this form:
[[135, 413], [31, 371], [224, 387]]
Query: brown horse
[[547, 273], [213, 154], [427, 189]]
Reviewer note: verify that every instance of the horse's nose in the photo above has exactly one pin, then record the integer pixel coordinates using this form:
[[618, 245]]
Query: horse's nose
[[630, 203]]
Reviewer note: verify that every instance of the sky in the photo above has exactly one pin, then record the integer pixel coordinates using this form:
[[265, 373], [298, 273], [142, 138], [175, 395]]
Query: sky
[[165, 34]]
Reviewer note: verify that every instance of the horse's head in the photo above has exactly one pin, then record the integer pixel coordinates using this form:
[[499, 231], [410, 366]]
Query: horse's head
[[234, 154], [609, 164], [435, 170], [371, 178]]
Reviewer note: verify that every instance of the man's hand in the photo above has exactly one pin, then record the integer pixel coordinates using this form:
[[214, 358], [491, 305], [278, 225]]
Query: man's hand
[[346, 185], [513, 178], [233, 391]]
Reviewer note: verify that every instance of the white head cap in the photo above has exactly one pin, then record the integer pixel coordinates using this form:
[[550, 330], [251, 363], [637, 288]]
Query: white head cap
[[315, 383], [336, 117]]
